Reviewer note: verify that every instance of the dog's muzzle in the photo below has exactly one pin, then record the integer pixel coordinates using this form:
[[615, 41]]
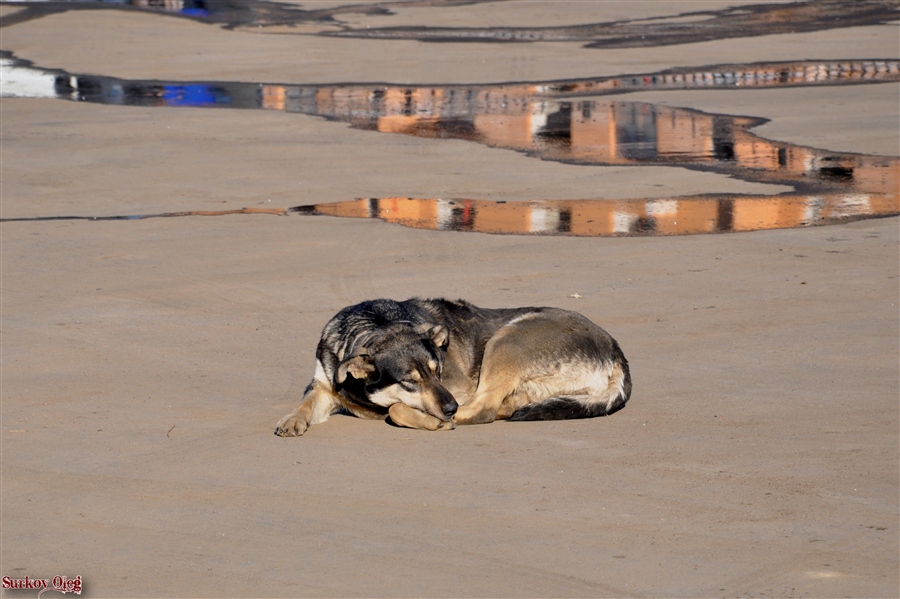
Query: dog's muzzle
[[449, 408]]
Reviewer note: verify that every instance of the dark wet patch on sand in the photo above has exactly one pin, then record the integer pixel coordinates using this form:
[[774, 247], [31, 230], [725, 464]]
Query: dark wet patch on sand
[[676, 28]]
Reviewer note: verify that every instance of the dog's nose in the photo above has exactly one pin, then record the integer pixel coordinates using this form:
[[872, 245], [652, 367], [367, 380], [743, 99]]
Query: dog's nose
[[450, 407]]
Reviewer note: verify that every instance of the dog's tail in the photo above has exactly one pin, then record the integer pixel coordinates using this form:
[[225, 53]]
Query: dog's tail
[[568, 407]]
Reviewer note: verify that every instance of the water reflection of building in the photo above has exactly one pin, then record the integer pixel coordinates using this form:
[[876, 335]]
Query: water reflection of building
[[681, 216], [447, 100], [747, 76], [453, 100], [636, 133], [525, 117], [591, 131]]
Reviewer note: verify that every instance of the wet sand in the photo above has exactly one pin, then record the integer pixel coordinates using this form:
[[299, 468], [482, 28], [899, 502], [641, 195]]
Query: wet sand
[[145, 363]]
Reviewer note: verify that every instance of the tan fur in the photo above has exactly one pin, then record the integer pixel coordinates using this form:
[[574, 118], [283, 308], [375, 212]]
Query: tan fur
[[406, 416], [515, 372], [318, 404]]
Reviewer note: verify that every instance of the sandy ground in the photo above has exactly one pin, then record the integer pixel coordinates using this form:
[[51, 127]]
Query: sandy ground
[[145, 363]]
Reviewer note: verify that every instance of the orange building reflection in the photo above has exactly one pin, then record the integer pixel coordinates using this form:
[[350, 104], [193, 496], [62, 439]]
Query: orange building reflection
[[676, 216], [527, 118]]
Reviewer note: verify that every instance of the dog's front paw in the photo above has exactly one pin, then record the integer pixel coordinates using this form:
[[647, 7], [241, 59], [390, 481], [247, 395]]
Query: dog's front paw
[[403, 415], [292, 425]]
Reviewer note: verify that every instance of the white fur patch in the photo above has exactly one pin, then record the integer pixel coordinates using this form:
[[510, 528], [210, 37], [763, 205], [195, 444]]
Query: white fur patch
[[320, 375], [593, 383], [396, 394], [521, 317], [322, 410]]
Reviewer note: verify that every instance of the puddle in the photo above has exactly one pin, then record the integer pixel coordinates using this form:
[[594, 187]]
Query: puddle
[[373, 100], [546, 121], [586, 218], [677, 28], [537, 118], [602, 218]]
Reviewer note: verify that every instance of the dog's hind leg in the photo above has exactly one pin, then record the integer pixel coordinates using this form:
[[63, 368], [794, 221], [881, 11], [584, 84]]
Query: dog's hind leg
[[406, 416], [317, 405], [510, 359], [496, 396]]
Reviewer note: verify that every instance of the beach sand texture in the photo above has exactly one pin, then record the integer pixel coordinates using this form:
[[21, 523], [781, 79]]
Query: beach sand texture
[[145, 363]]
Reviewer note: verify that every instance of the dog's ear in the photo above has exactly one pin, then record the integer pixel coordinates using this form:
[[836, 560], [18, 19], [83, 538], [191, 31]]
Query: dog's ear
[[437, 333], [359, 367]]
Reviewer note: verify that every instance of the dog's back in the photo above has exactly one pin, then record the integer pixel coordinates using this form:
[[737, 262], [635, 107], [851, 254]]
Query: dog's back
[[556, 363]]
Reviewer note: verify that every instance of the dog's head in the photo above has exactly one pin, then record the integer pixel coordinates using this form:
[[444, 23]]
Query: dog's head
[[402, 364]]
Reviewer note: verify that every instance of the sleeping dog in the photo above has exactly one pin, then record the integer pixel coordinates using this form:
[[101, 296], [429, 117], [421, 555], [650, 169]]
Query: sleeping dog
[[433, 364]]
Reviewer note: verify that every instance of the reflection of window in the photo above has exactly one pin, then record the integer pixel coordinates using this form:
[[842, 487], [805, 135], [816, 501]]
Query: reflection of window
[[558, 126], [725, 215], [462, 218], [407, 104], [836, 172], [723, 138], [565, 221], [635, 130]]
